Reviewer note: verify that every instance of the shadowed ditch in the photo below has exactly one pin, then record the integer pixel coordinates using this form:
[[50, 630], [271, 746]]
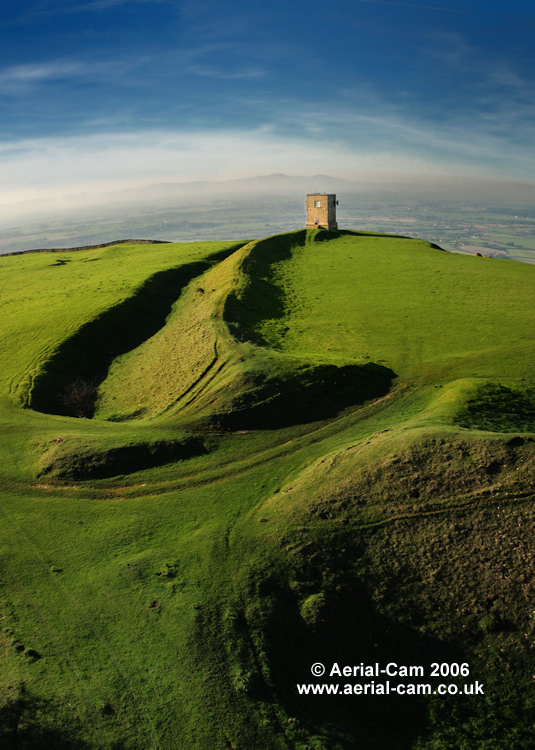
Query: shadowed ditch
[[307, 395], [349, 631], [84, 464], [69, 383], [263, 297]]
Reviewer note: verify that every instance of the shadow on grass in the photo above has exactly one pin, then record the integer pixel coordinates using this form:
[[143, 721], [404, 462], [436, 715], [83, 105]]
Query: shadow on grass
[[340, 628], [310, 395], [495, 407], [81, 463], [70, 381], [350, 633], [27, 722], [262, 297]]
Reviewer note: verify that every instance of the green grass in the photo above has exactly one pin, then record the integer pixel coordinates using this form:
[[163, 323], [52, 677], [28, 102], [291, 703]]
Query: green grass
[[366, 296], [313, 447]]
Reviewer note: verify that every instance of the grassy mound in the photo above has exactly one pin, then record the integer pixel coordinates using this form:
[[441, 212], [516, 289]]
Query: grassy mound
[[368, 295], [316, 447]]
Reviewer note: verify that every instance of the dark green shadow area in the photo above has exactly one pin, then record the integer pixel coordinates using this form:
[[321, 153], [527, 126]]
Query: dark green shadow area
[[81, 463], [262, 297], [308, 394], [23, 725], [69, 384], [498, 408], [348, 632]]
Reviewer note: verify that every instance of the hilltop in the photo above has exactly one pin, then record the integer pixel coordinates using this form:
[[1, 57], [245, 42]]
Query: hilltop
[[223, 462]]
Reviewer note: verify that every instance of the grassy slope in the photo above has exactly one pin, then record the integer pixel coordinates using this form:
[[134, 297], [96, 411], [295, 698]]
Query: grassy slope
[[178, 604], [377, 295]]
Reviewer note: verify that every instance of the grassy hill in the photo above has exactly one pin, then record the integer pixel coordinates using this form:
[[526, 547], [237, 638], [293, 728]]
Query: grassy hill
[[224, 462]]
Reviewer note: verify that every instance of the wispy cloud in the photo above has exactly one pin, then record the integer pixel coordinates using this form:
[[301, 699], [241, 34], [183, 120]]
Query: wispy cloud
[[18, 79], [489, 138], [425, 95], [26, 17], [499, 91], [418, 6], [211, 20], [206, 71], [452, 50]]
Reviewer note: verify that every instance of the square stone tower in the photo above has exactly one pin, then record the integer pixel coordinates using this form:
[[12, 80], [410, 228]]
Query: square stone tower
[[321, 211]]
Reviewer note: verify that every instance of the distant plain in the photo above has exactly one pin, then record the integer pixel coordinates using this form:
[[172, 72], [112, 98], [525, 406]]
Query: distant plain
[[497, 223]]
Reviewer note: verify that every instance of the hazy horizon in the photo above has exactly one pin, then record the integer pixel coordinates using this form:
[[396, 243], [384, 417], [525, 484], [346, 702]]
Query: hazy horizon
[[485, 216], [477, 190]]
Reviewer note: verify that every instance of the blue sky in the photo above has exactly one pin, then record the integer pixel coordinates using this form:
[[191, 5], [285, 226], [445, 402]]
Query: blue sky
[[103, 94]]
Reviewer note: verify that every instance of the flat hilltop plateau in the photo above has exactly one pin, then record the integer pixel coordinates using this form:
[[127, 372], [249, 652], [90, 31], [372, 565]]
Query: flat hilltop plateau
[[226, 464]]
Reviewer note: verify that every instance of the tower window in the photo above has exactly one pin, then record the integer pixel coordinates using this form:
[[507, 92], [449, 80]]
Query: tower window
[[317, 204]]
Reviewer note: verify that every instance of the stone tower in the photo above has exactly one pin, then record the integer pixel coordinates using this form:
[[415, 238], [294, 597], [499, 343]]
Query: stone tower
[[321, 211]]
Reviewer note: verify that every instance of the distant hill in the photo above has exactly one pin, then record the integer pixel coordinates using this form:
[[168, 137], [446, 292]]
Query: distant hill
[[223, 463], [165, 193]]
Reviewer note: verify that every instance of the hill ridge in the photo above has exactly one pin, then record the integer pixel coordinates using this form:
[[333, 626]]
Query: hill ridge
[[87, 247]]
